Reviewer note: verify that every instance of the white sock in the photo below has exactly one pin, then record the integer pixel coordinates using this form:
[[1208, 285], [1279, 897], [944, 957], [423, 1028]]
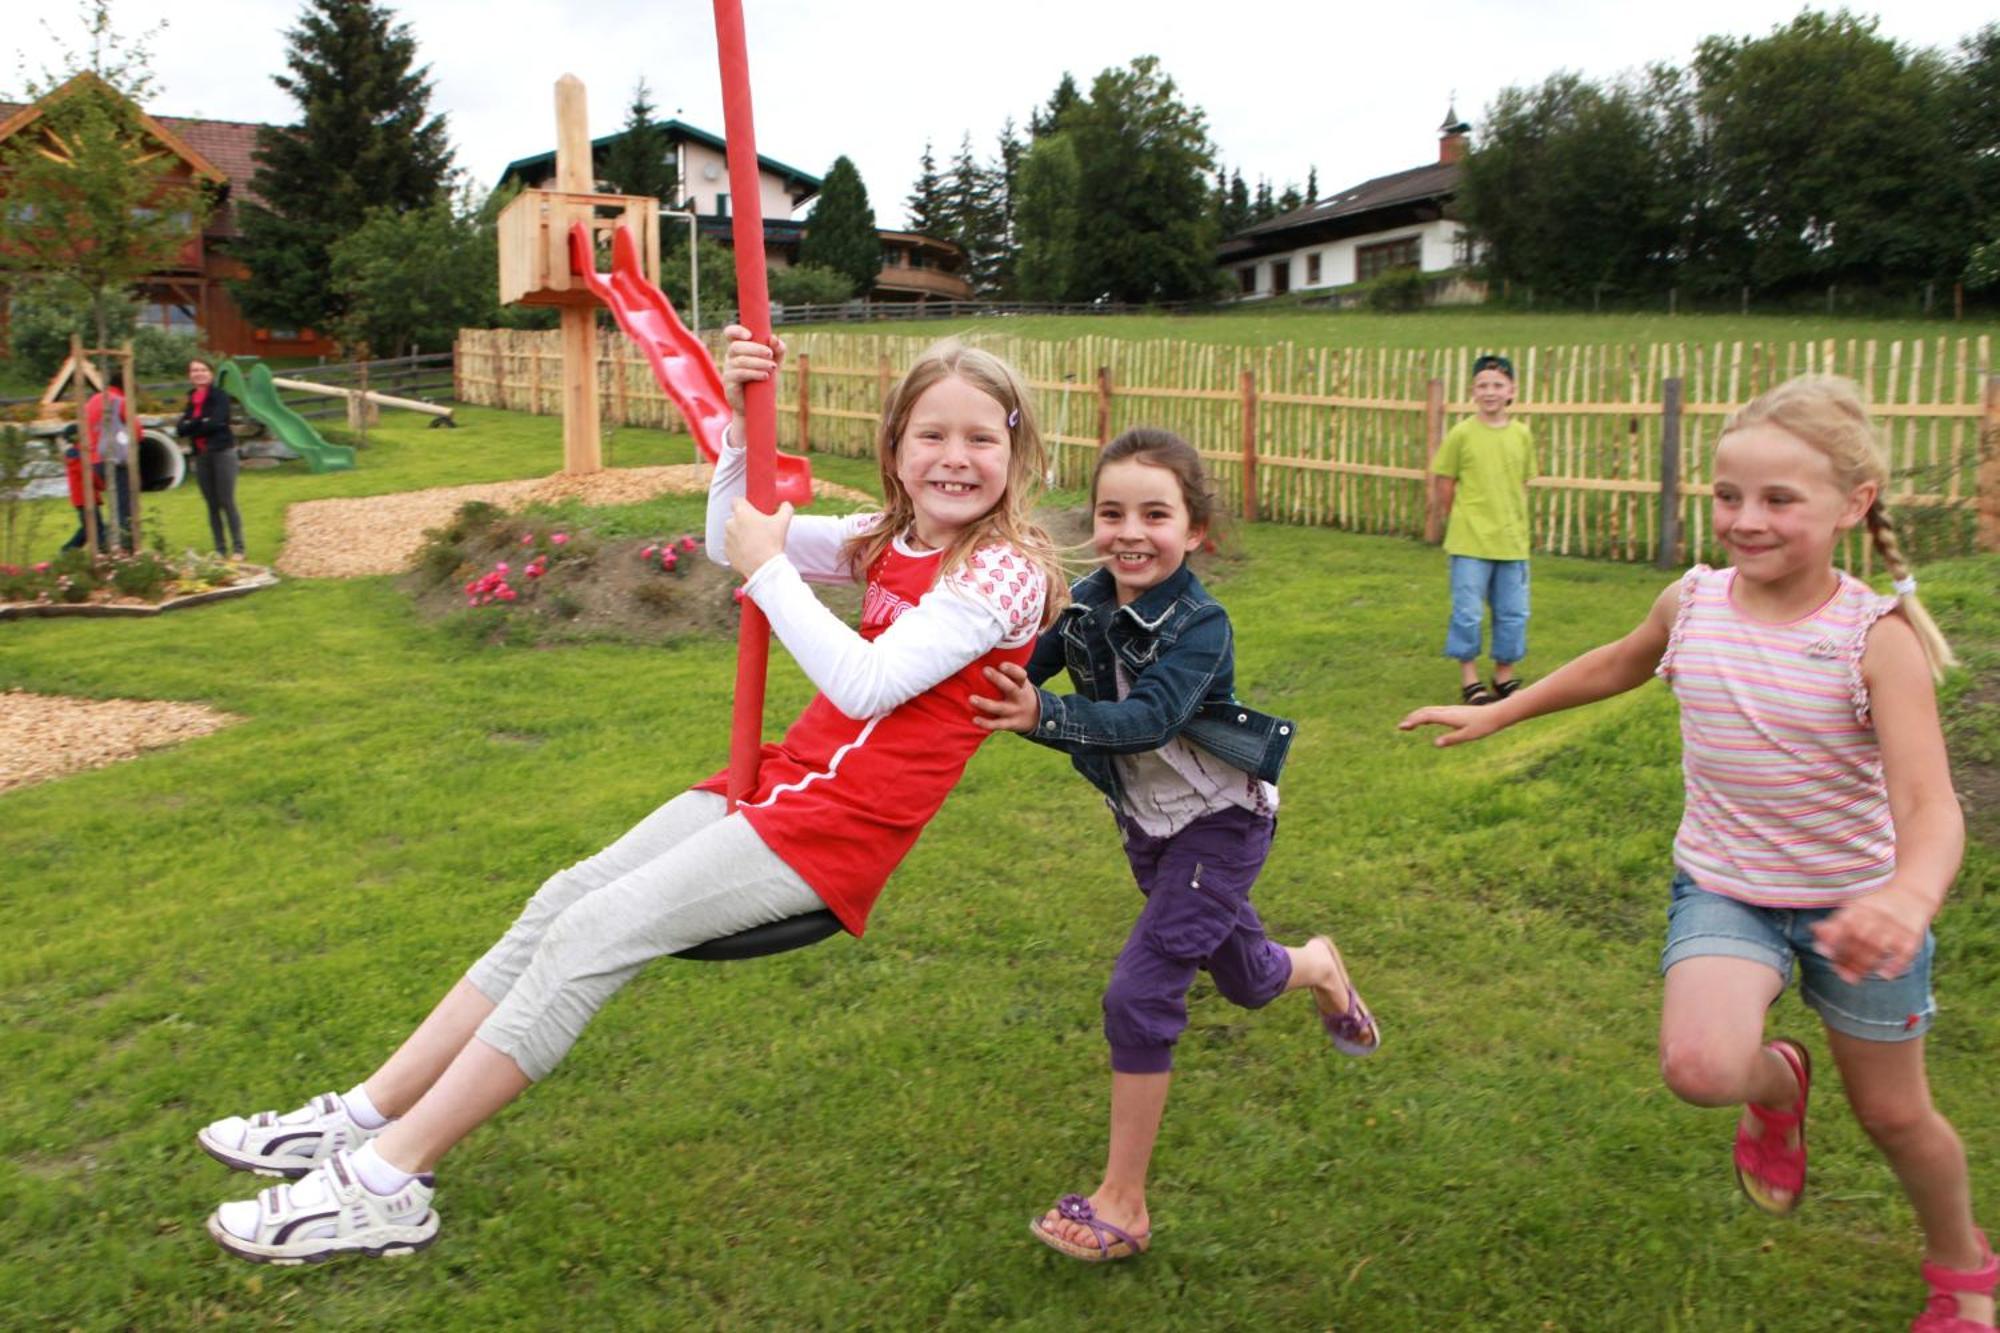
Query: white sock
[[377, 1173], [361, 1109]]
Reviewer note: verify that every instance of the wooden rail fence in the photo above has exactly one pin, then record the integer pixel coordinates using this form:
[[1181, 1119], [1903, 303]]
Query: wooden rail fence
[[1341, 437]]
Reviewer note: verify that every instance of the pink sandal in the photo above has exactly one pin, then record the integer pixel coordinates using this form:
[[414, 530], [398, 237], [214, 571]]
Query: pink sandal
[[1768, 1164], [1947, 1285]]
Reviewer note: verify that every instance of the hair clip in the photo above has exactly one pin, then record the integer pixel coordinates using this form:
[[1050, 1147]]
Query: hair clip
[[1906, 587], [1013, 418]]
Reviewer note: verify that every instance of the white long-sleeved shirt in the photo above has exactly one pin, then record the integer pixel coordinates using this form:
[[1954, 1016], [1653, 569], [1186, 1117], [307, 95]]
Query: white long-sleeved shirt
[[960, 620]]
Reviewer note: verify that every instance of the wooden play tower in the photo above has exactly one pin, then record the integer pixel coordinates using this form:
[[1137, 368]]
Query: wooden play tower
[[535, 263]]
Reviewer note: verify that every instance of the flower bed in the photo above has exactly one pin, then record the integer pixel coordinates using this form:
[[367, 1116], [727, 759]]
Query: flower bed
[[504, 578], [144, 583]]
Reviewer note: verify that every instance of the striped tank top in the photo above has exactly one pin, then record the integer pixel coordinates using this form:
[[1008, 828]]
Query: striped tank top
[[1786, 806]]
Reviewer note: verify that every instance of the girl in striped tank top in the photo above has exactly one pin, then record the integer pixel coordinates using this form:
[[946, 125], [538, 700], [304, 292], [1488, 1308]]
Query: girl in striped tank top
[[1820, 831]]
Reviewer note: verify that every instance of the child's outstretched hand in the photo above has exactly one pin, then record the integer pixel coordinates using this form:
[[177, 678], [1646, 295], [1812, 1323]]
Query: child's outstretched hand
[[1018, 706], [1878, 935], [752, 537], [747, 362], [1468, 722]]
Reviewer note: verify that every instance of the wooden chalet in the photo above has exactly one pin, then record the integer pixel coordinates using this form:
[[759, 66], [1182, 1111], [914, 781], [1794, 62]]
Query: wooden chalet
[[192, 295]]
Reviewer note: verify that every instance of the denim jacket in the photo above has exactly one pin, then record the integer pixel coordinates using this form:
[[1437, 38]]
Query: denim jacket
[[1175, 644]]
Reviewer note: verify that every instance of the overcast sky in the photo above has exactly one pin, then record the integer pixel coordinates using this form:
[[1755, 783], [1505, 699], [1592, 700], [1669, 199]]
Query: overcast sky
[[1357, 91]]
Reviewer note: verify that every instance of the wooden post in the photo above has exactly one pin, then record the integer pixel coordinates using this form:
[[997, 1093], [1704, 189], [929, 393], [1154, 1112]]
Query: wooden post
[[579, 324], [1433, 441], [882, 378], [81, 394], [1249, 447], [133, 474], [1989, 467], [805, 401], [1103, 406], [1670, 473]]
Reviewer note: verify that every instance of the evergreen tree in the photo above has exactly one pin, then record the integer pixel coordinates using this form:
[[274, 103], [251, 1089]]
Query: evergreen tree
[[1265, 208], [1290, 200], [1044, 121], [977, 221], [925, 204], [1236, 214], [840, 234], [1143, 159], [1312, 185], [1006, 175], [640, 160], [366, 139]]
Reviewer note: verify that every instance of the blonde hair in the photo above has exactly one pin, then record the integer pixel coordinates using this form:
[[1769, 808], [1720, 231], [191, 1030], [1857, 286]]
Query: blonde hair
[[1010, 521], [1826, 412]]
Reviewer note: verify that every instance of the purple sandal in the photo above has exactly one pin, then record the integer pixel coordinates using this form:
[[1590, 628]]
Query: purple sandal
[[1076, 1208], [1355, 1031]]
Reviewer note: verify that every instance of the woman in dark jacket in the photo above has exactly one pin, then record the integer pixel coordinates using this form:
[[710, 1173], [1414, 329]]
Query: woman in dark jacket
[[205, 425]]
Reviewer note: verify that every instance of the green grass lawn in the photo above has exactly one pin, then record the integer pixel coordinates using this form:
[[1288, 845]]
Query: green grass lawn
[[1256, 326], [856, 1135]]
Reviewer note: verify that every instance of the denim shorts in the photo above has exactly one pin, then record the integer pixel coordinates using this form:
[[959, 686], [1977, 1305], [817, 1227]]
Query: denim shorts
[[1701, 924]]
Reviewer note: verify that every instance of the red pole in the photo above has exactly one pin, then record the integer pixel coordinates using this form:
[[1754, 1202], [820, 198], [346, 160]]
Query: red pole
[[753, 301]]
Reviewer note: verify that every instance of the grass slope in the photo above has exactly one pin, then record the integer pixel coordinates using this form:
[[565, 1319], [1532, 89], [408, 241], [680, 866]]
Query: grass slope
[[1254, 326], [855, 1135]]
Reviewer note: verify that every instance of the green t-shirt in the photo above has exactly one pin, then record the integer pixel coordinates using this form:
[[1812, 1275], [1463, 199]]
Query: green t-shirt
[[1489, 509]]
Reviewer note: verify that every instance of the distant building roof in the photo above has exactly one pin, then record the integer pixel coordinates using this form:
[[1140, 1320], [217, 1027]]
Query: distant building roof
[[1372, 205], [802, 184], [228, 146]]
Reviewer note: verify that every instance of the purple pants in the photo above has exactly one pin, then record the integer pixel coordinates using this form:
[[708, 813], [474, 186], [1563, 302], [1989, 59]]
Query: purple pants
[[1197, 915]]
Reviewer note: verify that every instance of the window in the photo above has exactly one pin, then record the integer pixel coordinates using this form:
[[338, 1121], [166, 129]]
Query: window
[[167, 315], [1246, 279], [1281, 276], [1463, 249], [722, 205], [1371, 261], [1312, 269]]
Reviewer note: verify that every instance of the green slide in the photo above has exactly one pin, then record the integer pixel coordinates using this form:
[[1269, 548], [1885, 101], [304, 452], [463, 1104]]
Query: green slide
[[259, 397]]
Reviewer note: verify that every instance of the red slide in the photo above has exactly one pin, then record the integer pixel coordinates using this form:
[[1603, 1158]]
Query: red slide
[[680, 363]]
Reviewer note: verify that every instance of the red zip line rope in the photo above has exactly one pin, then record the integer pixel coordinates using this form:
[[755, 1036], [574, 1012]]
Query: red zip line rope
[[753, 304]]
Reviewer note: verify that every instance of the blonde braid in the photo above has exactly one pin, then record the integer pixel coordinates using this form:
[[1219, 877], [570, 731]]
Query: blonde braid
[[1937, 652]]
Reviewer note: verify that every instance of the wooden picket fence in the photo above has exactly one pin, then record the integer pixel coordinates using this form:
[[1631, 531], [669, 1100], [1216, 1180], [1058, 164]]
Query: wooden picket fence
[[1341, 437]]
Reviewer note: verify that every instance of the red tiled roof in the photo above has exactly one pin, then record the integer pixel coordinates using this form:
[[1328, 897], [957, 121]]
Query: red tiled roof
[[231, 145]]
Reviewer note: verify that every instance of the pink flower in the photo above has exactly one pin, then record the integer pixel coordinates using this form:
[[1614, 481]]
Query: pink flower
[[501, 568], [669, 560], [506, 594], [558, 538], [42, 567], [527, 539], [646, 552], [533, 571], [689, 543]]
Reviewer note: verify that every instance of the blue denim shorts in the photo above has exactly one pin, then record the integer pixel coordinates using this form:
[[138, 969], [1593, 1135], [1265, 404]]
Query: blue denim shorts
[[1701, 924]]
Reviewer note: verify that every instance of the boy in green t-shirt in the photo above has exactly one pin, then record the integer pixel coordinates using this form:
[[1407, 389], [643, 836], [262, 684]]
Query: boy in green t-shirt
[[1481, 474]]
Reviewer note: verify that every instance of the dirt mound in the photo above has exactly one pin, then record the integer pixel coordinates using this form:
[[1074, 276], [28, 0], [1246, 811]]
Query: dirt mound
[[381, 534]]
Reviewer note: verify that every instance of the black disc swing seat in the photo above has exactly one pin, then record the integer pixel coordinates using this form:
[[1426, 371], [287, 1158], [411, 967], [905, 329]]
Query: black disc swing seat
[[794, 932]]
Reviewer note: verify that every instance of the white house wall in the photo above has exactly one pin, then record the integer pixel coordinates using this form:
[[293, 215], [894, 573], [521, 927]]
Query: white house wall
[[704, 175], [1337, 265]]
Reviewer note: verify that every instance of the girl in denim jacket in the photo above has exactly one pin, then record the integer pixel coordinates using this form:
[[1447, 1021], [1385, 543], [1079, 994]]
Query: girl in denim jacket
[[1189, 774]]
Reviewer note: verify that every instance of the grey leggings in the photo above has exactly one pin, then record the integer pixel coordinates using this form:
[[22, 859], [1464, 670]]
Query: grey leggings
[[688, 873], [215, 473]]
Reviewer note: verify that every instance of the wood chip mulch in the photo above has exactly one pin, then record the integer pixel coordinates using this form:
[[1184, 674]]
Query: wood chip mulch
[[381, 534], [45, 736]]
